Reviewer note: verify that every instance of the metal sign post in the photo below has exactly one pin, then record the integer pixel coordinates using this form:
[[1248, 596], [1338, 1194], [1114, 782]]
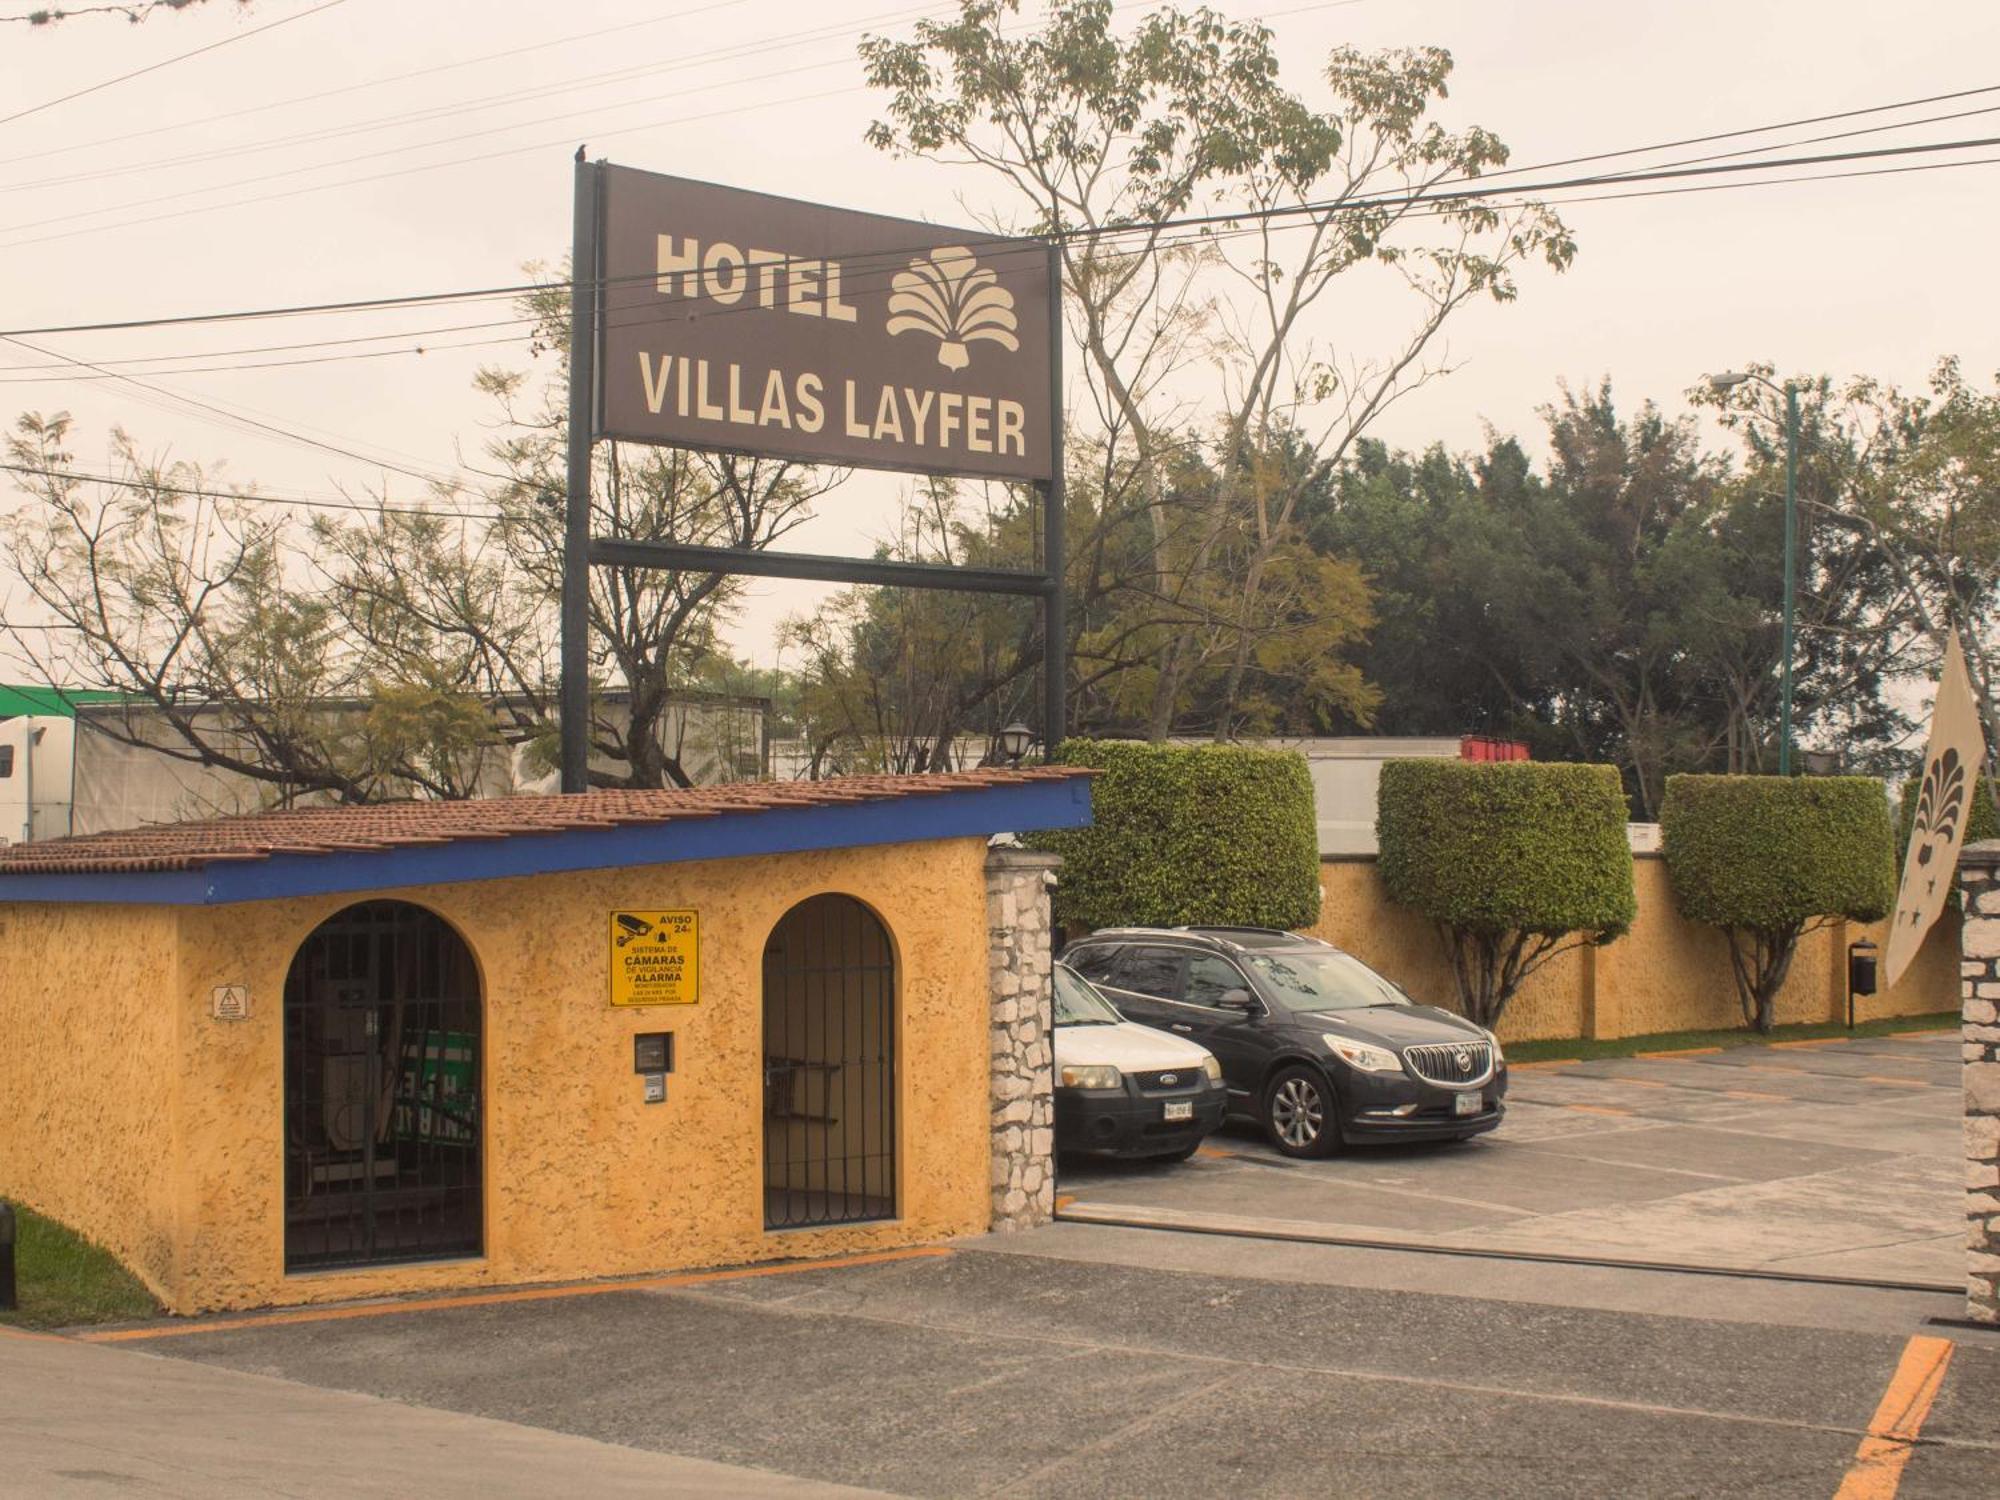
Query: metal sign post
[[710, 318], [584, 275]]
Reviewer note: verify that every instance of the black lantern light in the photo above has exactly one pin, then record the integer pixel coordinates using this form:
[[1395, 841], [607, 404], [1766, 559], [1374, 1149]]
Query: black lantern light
[[1014, 742]]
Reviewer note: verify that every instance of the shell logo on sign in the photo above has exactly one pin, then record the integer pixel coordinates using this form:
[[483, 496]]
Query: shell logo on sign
[[950, 296]]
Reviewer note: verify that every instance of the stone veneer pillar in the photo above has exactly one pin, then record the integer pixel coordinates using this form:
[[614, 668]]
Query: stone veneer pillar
[[1018, 882], [1979, 1031]]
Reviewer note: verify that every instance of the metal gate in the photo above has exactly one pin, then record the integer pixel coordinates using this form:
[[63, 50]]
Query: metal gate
[[382, 1091], [829, 1067]]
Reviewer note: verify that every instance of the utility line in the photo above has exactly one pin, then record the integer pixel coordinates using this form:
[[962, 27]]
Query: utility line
[[241, 36], [266, 427], [315, 503], [650, 318], [741, 51], [1028, 245], [152, 131]]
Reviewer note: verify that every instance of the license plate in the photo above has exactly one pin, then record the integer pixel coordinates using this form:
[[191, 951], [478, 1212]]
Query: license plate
[[1467, 1104], [1180, 1109]]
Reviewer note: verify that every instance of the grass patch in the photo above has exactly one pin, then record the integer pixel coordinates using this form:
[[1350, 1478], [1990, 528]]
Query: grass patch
[[61, 1279], [1681, 1041]]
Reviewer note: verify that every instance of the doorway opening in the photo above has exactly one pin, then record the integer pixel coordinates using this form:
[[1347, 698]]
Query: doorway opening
[[383, 1085], [829, 1066]]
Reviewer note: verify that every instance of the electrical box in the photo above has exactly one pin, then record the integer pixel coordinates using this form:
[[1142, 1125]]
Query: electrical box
[[653, 1052]]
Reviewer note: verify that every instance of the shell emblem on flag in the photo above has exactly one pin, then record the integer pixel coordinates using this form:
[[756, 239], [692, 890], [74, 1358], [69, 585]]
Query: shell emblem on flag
[[954, 299]]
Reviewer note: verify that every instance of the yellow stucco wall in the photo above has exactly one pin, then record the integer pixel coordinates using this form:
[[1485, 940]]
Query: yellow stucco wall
[[1666, 974], [582, 1177], [88, 1061]]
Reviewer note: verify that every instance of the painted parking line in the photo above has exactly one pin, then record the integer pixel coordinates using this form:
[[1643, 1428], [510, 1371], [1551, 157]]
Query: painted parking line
[[494, 1299], [1678, 1054], [1878, 1464], [1598, 1109], [1901, 1083], [1814, 1041]]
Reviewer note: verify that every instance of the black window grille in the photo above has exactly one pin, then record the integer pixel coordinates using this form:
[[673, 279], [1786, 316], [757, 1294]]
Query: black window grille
[[383, 1085], [829, 1067]]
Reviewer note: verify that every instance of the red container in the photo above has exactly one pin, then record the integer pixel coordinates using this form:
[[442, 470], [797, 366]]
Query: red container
[[1486, 747]]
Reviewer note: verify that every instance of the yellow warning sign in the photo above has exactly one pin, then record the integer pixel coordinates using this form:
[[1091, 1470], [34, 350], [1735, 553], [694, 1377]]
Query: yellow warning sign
[[653, 958]]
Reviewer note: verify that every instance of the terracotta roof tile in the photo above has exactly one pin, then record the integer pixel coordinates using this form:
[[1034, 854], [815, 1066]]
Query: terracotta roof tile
[[397, 825]]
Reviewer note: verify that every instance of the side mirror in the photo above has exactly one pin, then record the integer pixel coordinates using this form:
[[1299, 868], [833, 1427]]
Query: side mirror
[[1237, 1000]]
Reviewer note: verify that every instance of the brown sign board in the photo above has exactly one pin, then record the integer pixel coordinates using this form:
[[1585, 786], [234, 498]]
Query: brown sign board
[[739, 322]]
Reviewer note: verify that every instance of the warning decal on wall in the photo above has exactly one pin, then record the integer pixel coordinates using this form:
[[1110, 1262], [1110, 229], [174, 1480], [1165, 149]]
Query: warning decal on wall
[[653, 958]]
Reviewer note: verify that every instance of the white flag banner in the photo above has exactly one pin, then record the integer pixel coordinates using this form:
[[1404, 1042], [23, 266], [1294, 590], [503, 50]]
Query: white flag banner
[[1951, 762]]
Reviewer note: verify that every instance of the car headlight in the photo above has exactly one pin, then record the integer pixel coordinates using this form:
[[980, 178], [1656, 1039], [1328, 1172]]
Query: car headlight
[[1361, 1055], [1498, 1056], [1093, 1076], [1212, 1068]]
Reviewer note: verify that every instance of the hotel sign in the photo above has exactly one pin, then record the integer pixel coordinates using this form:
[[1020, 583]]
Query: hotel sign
[[738, 322]]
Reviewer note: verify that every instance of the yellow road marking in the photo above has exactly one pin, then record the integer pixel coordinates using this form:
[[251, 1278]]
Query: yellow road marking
[[1901, 1083], [1211, 1153], [1678, 1053], [1064, 1200], [1753, 1094], [1878, 1464], [1536, 1067], [492, 1299], [1598, 1109], [27, 1333], [1815, 1041]]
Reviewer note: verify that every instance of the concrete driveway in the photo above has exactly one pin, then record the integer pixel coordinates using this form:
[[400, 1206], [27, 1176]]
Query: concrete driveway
[[1840, 1158]]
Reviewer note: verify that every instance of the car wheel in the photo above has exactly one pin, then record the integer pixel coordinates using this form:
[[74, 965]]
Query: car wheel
[[1298, 1113]]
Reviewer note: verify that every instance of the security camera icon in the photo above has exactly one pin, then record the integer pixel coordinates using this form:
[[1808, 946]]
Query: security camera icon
[[634, 927]]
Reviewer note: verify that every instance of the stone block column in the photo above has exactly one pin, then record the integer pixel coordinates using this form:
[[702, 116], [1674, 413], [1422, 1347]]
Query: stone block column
[[1018, 883], [1979, 1012]]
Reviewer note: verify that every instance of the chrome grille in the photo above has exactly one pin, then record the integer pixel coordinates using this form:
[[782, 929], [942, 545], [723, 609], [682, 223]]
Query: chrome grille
[[1455, 1064]]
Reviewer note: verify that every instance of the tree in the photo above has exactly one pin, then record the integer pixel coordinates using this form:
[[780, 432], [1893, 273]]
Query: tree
[[493, 596], [135, 12], [1514, 862], [1769, 859], [1104, 141], [183, 597]]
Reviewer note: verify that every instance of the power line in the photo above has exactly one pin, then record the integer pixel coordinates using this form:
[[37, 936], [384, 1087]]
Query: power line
[[241, 36], [783, 41], [435, 166], [238, 417], [194, 492], [152, 131], [859, 288], [1487, 189]]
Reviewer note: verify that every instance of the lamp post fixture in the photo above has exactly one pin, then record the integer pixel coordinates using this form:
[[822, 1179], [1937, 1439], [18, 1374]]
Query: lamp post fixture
[[1014, 742], [1722, 384]]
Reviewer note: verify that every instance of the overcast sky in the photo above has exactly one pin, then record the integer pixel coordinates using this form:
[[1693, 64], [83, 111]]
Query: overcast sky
[[340, 175]]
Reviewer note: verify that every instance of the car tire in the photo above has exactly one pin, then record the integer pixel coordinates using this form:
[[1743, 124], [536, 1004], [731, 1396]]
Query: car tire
[[1297, 1113]]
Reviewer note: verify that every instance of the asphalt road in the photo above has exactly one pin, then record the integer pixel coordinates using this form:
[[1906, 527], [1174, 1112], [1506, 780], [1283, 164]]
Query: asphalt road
[[1072, 1371]]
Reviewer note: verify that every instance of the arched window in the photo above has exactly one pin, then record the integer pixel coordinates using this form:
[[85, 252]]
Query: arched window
[[383, 1088], [829, 1066]]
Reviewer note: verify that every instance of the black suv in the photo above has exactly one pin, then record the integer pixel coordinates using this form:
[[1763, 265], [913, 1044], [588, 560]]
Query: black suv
[[1315, 1046]]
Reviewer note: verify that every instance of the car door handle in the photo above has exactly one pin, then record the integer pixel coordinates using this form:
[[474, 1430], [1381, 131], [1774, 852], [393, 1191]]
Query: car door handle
[[1177, 1026]]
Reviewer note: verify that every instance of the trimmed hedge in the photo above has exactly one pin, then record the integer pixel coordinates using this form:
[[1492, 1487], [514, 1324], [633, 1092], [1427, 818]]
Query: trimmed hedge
[[1768, 852], [1767, 858], [1507, 845], [1212, 835], [1509, 859]]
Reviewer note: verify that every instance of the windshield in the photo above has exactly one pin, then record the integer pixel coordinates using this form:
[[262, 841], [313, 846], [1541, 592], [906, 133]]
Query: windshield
[[1322, 981], [1077, 1004]]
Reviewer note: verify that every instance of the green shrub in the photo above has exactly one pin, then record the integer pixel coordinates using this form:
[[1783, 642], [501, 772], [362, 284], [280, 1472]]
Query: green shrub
[[1768, 858], [1515, 861], [1210, 835]]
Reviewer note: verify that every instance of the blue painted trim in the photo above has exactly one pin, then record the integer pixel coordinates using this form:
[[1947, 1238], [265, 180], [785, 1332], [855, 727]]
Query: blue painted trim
[[892, 820]]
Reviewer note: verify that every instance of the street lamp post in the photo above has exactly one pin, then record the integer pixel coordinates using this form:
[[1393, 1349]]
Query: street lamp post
[[1728, 382]]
